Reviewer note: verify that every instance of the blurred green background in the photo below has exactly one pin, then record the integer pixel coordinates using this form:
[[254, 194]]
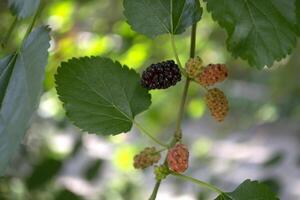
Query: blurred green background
[[259, 139]]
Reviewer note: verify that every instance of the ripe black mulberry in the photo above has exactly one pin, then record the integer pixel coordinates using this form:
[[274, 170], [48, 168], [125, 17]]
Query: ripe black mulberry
[[161, 75]]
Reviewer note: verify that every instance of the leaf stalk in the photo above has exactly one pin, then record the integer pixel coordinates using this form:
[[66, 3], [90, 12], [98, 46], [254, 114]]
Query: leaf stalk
[[198, 182], [155, 140]]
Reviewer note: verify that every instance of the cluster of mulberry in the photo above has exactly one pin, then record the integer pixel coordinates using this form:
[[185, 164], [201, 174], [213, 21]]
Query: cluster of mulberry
[[178, 158], [166, 74], [212, 74], [208, 76], [146, 158], [161, 75], [217, 103]]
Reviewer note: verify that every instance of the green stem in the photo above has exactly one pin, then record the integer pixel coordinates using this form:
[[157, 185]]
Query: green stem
[[142, 130], [198, 182], [155, 191], [178, 133], [9, 33]]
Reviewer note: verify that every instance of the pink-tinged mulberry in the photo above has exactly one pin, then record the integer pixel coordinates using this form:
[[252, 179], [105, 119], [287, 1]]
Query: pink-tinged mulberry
[[212, 74], [178, 158]]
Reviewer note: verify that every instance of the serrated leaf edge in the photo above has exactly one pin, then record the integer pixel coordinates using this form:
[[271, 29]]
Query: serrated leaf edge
[[74, 59], [269, 65]]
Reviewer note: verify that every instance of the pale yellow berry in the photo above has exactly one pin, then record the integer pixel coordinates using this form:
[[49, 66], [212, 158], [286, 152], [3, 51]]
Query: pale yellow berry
[[193, 67], [217, 104]]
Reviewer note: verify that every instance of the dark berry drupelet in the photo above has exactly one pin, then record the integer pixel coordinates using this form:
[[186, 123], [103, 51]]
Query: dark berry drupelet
[[161, 75]]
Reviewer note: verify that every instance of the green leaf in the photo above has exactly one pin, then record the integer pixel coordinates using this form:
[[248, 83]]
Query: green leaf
[[6, 67], [156, 17], [249, 190], [22, 92], [23, 8], [258, 31], [4, 62], [99, 95]]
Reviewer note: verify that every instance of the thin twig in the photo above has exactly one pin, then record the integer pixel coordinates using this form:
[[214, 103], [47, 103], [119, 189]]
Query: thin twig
[[178, 133], [155, 190]]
